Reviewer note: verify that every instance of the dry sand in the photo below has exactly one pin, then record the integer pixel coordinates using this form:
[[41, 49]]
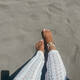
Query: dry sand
[[21, 22]]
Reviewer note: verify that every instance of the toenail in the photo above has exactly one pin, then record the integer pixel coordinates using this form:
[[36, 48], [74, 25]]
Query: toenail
[[41, 40], [44, 29]]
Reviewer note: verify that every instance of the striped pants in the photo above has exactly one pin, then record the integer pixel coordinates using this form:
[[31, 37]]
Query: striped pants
[[33, 70]]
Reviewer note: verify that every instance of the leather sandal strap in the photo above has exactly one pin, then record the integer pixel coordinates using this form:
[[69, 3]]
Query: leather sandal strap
[[51, 44]]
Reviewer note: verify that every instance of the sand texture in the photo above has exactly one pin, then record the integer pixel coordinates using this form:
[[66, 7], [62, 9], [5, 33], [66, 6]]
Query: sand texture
[[21, 22]]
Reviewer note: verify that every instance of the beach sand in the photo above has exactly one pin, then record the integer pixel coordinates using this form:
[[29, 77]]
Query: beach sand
[[21, 23]]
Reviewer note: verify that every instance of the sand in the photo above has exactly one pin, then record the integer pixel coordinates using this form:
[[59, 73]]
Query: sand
[[21, 22]]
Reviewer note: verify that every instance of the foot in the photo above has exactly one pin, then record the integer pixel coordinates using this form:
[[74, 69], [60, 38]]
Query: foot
[[47, 35], [40, 46]]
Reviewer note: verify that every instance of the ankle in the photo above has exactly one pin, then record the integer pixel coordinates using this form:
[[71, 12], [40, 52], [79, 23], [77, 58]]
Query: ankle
[[41, 50], [51, 46]]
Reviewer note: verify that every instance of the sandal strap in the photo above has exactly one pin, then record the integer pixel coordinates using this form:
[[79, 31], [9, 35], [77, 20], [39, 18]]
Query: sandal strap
[[51, 44]]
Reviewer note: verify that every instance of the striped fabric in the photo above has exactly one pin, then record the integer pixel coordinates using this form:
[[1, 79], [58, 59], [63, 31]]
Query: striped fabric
[[32, 71], [55, 67]]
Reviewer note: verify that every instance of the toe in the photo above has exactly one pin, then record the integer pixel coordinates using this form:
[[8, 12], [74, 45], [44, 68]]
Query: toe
[[43, 29], [42, 42], [39, 43]]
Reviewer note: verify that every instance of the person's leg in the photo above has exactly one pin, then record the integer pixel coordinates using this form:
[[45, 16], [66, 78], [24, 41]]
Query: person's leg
[[55, 66], [32, 71]]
